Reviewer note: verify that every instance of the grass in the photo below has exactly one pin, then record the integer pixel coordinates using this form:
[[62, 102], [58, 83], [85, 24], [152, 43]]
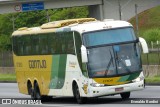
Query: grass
[[155, 79], [7, 77], [148, 19]]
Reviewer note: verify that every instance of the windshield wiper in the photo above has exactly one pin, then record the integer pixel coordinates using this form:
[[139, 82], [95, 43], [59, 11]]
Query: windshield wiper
[[109, 64]]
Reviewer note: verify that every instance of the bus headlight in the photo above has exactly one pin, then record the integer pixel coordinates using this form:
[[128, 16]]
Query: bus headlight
[[97, 85], [138, 79]]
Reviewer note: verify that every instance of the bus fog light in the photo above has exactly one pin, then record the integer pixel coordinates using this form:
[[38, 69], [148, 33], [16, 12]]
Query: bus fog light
[[97, 85]]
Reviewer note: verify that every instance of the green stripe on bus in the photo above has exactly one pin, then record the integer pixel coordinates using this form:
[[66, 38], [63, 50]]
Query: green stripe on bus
[[58, 71], [54, 71], [124, 78], [133, 76], [62, 69]]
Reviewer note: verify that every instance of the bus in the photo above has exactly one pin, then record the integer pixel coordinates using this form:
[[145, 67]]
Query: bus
[[82, 58]]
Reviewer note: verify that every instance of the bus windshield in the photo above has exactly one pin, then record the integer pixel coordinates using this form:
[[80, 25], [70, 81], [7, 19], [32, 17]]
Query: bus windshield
[[115, 59], [108, 36]]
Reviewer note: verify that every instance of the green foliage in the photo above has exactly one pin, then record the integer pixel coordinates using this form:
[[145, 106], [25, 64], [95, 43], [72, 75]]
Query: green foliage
[[5, 43], [151, 35], [155, 79], [149, 19], [70, 13], [32, 19], [5, 24]]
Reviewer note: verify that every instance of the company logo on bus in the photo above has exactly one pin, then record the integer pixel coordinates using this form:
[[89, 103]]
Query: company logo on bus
[[72, 64], [107, 80], [37, 64]]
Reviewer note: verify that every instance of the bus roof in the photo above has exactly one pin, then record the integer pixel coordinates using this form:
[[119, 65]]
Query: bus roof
[[80, 25]]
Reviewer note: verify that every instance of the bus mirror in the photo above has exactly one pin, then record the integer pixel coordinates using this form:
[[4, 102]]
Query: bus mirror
[[144, 45], [84, 54]]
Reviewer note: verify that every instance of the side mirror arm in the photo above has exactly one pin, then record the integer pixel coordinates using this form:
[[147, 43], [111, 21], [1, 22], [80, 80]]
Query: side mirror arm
[[84, 54], [144, 45]]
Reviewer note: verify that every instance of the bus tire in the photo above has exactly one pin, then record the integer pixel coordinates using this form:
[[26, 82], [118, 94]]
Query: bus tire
[[37, 95], [32, 94], [77, 96], [29, 87], [125, 95]]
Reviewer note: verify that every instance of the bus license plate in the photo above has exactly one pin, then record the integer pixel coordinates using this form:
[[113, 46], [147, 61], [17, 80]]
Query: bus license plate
[[118, 89]]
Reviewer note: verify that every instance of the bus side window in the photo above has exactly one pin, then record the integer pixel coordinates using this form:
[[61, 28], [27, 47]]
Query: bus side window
[[35, 45], [58, 40], [26, 45], [52, 43], [15, 45], [19, 46], [70, 43], [43, 44], [78, 43]]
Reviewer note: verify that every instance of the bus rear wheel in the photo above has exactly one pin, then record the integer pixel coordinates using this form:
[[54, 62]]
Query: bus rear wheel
[[77, 96], [35, 95], [125, 95]]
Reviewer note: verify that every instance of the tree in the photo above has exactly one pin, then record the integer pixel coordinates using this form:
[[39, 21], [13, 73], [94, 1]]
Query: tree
[[33, 19], [5, 43], [70, 13]]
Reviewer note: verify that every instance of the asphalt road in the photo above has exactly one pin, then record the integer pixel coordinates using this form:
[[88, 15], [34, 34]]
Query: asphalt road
[[10, 90]]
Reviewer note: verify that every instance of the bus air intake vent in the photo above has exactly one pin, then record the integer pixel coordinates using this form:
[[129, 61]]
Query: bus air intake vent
[[83, 20], [62, 23]]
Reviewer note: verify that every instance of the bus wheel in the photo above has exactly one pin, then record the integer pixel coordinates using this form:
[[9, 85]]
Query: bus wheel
[[77, 96], [36, 92], [125, 95], [29, 87], [32, 94]]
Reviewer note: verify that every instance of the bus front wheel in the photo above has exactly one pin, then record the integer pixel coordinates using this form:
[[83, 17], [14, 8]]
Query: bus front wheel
[[125, 95], [77, 96]]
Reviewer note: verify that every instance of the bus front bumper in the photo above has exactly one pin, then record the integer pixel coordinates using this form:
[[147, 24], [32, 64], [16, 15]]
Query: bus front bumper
[[110, 90]]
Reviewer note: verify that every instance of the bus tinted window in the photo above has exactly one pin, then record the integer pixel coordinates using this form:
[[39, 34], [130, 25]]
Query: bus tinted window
[[52, 43], [20, 46], [70, 43], [26, 45], [44, 44], [15, 45], [35, 45]]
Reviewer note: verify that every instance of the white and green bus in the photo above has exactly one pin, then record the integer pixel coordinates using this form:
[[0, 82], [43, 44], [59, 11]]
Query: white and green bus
[[78, 57]]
